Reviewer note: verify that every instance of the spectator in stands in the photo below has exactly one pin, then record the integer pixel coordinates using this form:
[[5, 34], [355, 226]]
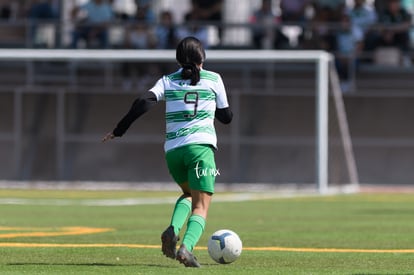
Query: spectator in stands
[[42, 9], [294, 10], [297, 13], [390, 40], [92, 21], [334, 6], [124, 10], [321, 33], [380, 5], [6, 12], [396, 22], [362, 15], [328, 14], [193, 27], [146, 12], [139, 35], [348, 46], [38, 11], [209, 11], [12, 34], [265, 31], [167, 37], [166, 32]]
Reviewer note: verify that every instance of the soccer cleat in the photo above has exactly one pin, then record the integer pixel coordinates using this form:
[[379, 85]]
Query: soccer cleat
[[186, 257], [169, 242]]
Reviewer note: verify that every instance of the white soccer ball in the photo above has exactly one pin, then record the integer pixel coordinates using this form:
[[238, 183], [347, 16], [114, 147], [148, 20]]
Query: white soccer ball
[[224, 246]]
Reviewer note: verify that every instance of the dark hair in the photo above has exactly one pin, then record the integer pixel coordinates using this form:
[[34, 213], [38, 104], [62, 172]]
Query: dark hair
[[190, 54]]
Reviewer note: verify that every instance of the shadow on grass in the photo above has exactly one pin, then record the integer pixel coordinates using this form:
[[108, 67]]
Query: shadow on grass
[[89, 264]]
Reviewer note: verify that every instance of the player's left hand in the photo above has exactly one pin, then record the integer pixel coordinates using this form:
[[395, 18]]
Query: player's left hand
[[108, 136]]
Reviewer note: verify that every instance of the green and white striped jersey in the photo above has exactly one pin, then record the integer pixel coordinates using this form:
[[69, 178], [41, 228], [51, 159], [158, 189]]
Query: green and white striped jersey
[[190, 109]]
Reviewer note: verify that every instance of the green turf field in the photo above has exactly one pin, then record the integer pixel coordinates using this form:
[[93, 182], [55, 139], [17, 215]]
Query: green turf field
[[118, 232]]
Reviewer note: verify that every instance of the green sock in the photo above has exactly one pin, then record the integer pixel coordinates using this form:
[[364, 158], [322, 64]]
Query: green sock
[[195, 228], [180, 214]]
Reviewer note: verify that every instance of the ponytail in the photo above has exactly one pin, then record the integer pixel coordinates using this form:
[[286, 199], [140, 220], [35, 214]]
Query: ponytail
[[191, 71]]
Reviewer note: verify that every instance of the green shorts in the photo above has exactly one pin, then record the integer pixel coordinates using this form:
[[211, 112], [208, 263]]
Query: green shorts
[[194, 164]]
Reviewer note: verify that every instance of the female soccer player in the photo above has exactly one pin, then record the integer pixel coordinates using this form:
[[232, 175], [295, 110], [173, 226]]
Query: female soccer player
[[194, 97]]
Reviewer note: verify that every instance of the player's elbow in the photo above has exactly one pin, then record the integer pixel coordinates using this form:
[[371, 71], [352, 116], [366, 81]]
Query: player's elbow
[[227, 120], [225, 115]]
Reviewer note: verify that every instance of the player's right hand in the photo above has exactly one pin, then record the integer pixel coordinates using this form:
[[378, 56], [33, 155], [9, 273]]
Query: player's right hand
[[108, 136]]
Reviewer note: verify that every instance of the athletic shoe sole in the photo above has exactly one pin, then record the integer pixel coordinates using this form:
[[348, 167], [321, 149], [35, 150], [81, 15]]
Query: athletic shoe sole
[[169, 242]]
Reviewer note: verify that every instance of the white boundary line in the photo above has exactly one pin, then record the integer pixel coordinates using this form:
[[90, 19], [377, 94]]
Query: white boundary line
[[290, 188], [238, 197]]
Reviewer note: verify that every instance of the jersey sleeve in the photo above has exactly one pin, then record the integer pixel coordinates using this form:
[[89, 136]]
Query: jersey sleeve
[[158, 89], [221, 98]]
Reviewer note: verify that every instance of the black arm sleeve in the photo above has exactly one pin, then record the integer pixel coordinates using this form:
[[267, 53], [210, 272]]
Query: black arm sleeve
[[224, 115], [140, 106]]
